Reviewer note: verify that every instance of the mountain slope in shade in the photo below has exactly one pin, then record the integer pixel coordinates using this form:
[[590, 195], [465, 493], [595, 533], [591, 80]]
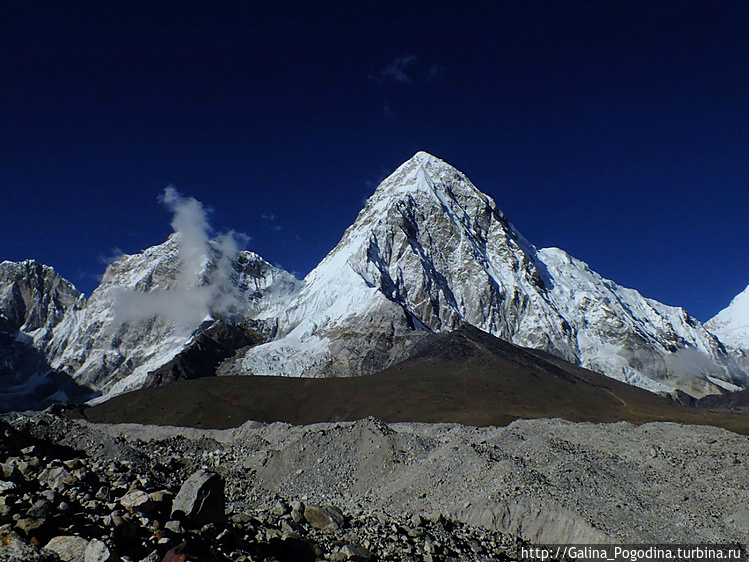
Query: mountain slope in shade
[[465, 376], [731, 324], [429, 251], [34, 300]]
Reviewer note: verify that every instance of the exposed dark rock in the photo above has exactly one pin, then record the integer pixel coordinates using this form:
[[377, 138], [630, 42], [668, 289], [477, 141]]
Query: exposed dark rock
[[204, 354], [728, 402], [14, 549]]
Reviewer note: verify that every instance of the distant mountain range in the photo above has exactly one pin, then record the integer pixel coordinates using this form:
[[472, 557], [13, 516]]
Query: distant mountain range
[[428, 254]]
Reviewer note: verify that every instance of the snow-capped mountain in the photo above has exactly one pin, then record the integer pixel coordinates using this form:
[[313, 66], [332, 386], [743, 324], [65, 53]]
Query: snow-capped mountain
[[34, 299], [143, 313], [731, 324], [429, 251]]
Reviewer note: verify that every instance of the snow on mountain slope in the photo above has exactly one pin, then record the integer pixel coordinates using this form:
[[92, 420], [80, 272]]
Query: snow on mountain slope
[[632, 338], [34, 298], [143, 312], [731, 324], [121, 336], [430, 251]]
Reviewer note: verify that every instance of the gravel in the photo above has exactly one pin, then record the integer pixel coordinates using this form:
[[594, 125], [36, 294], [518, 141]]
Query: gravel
[[544, 481]]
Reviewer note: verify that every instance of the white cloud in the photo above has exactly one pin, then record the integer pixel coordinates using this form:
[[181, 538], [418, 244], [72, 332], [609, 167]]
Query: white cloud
[[206, 266]]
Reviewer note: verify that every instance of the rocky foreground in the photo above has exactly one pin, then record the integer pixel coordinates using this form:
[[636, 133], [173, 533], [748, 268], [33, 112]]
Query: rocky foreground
[[62, 503], [73, 490]]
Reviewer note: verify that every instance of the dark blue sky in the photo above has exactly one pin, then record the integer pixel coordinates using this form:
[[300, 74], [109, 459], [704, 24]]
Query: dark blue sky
[[618, 131]]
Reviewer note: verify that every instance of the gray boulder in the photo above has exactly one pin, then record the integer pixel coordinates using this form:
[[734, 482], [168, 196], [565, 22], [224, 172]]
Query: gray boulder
[[97, 551], [137, 501], [200, 499], [69, 548], [326, 518]]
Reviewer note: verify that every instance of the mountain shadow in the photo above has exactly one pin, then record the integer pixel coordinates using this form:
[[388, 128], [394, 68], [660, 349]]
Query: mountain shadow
[[28, 382]]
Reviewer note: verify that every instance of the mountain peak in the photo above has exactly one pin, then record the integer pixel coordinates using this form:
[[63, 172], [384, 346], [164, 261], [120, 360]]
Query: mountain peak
[[424, 156], [731, 324], [428, 165], [429, 175]]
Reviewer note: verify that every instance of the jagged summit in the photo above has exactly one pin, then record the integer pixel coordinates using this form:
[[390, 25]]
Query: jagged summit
[[145, 311]]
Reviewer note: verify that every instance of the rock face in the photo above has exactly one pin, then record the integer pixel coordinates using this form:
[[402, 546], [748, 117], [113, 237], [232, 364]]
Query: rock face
[[204, 353], [429, 251], [34, 300]]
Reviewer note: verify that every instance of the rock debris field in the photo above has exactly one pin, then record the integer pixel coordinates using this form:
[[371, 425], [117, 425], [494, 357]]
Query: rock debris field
[[76, 491]]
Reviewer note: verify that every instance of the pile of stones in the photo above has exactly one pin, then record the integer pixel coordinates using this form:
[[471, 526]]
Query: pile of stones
[[60, 504]]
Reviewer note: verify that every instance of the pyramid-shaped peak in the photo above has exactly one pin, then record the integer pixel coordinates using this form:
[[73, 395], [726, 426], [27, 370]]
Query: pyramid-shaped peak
[[428, 174], [424, 156], [428, 161]]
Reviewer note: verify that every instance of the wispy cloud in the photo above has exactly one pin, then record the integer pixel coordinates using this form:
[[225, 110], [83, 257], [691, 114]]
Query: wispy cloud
[[404, 70], [271, 220], [408, 70], [113, 255], [398, 69], [387, 109], [375, 181], [436, 72], [204, 285]]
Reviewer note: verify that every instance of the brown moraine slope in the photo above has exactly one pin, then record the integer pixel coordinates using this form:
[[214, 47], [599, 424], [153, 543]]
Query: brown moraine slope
[[465, 376]]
